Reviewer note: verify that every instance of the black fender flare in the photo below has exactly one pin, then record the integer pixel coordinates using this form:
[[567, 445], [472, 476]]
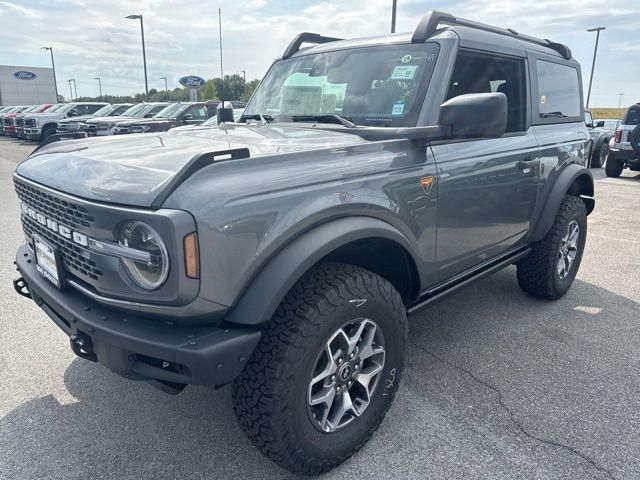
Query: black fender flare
[[560, 188], [267, 289]]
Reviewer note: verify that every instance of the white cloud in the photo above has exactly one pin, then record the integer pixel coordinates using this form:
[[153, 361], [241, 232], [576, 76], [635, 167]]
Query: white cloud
[[182, 36], [257, 4], [25, 12]]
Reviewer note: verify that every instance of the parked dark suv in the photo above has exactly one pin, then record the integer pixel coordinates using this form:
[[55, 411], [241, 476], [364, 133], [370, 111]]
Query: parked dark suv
[[173, 115], [368, 178]]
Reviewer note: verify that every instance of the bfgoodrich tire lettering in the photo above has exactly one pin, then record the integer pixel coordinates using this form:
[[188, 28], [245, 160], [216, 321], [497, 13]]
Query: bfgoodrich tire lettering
[[271, 395], [538, 273]]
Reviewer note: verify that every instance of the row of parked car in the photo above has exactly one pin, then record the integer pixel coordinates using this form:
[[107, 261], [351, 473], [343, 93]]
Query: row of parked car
[[39, 122]]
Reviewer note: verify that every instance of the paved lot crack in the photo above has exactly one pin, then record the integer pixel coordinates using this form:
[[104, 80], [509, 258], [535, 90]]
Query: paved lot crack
[[512, 416]]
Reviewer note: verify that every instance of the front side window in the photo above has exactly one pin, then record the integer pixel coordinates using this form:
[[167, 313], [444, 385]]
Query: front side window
[[172, 111], [558, 90], [378, 86], [481, 73], [588, 119], [197, 112]]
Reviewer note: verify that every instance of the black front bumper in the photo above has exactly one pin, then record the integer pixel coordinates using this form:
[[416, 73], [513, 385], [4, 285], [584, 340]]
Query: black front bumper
[[135, 347]]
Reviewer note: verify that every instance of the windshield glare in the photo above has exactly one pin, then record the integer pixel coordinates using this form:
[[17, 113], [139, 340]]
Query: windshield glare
[[104, 111], [380, 86], [135, 110], [171, 111], [66, 107]]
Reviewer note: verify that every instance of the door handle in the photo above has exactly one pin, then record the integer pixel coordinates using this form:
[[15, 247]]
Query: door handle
[[526, 165]]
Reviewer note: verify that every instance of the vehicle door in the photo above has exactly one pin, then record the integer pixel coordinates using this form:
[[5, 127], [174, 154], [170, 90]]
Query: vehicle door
[[557, 116], [487, 188]]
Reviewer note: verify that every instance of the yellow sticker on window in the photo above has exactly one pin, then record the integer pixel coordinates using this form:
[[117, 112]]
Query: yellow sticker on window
[[543, 99]]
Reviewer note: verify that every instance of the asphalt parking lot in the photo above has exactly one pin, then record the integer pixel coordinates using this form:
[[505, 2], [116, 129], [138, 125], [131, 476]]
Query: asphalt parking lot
[[498, 384]]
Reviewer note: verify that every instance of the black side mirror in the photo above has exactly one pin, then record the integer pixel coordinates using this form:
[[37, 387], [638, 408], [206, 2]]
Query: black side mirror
[[600, 124], [475, 115], [225, 112], [149, 115], [186, 117], [589, 125], [72, 113]]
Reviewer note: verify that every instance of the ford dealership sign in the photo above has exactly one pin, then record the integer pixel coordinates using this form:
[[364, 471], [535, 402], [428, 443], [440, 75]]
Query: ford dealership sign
[[24, 75], [192, 81]]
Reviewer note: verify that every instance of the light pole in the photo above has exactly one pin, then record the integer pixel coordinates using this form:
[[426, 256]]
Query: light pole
[[620, 99], [593, 64], [71, 87], [99, 86], [166, 88], [394, 6], [53, 65], [144, 53]]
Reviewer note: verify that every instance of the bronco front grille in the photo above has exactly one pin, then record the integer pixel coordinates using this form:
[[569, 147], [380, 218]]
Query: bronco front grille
[[67, 213], [75, 258]]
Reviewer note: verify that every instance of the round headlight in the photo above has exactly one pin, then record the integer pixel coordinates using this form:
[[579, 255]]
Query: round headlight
[[147, 274]]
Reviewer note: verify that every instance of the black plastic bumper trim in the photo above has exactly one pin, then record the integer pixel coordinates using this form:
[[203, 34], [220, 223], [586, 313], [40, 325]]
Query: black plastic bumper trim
[[211, 355]]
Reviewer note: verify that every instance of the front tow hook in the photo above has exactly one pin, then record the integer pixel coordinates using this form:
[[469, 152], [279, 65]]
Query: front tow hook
[[83, 347], [20, 286]]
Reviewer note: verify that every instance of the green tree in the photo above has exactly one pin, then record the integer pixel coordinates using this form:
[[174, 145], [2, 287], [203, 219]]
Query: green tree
[[209, 91], [249, 88]]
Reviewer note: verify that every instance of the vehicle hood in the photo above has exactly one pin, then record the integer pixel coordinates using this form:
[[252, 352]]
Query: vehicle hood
[[81, 118], [108, 119], [147, 121], [45, 115], [135, 169]]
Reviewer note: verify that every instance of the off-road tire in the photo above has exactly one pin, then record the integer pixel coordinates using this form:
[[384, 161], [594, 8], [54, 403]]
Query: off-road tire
[[600, 154], [537, 273], [270, 395], [613, 168]]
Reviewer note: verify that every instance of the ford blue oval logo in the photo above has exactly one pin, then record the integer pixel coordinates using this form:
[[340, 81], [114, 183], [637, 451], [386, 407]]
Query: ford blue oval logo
[[24, 75], [192, 81]]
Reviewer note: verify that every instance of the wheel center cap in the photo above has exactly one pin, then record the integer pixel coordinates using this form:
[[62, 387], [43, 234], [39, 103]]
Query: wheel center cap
[[345, 372]]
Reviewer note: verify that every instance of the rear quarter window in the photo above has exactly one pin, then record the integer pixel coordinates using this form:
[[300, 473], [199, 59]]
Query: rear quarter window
[[558, 90], [632, 117]]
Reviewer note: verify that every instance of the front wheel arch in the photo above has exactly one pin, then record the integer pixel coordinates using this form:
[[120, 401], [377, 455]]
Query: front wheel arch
[[327, 242]]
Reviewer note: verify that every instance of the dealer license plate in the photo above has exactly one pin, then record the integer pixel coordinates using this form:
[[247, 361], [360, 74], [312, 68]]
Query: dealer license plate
[[46, 260]]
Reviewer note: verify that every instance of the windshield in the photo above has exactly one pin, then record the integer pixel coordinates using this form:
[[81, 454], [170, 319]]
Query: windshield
[[104, 111], [380, 86], [135, 110], [172, 111], [66, 107]]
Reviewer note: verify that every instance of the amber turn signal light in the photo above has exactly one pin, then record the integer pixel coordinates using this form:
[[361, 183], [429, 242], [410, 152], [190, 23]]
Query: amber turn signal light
[[191, 260]]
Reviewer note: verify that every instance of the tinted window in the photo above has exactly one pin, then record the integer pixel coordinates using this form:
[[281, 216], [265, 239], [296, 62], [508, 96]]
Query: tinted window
[[558, 90], [478, 73], [632, 117]]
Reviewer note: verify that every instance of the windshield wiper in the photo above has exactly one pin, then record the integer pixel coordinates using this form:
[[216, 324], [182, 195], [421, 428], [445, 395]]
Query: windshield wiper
[[257, 116], [324, 118]]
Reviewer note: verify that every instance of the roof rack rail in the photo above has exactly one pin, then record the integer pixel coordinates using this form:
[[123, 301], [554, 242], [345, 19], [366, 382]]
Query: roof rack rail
[[430, 21], [305, 37]]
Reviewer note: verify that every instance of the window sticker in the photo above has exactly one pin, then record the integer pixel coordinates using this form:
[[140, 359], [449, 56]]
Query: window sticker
[[406, 59], [404, 72], [543, 99], [398, 108]]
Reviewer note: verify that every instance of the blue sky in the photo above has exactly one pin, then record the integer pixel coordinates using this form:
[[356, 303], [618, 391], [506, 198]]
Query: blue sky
[[91, 38]]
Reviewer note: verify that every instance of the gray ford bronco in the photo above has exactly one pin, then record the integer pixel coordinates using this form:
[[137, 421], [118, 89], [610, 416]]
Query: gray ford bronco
[[366, 179]]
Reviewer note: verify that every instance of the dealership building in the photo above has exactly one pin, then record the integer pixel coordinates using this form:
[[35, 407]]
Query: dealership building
[[26, 85]]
